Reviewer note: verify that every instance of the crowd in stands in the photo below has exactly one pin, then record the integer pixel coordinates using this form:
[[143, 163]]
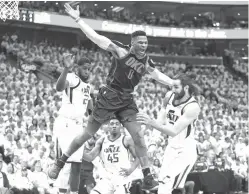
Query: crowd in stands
[[127, 15], [28, 107], [241, 66]]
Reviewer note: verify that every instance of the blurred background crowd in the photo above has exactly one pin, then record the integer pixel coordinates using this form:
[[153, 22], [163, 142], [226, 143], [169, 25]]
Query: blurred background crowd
[[142, 13], [29, 101]]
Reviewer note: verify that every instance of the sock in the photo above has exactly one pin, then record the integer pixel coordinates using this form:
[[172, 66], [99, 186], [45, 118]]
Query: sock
[[64, 158], [62, 190], [146, 171]]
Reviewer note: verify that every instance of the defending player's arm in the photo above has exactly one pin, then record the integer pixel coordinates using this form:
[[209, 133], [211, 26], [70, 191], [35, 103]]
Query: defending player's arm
[[95, 151], [163, 114], [102, 41], [190, 114], [131, 147], [156, 74], [62, 83]]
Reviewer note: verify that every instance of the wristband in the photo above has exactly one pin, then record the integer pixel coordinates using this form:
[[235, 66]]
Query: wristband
[[77, 19]]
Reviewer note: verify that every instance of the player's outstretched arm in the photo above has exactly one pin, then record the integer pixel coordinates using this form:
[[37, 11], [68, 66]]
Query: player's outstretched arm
[[62, 82], [95, 151], [190, 114], [128, 141], [102, 41], [157, 75]]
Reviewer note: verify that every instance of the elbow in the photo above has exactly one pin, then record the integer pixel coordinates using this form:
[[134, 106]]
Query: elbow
[[173, 134], [59, 88]]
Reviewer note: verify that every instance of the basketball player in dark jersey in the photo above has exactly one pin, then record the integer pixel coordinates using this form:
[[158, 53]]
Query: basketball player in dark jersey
[[128, 66]]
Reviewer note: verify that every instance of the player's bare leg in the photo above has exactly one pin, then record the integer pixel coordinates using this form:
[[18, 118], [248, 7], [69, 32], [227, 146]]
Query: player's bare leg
[[92, 127], [137, 135]]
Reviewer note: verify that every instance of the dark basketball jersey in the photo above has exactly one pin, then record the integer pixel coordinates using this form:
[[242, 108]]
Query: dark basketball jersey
[[125, 73]]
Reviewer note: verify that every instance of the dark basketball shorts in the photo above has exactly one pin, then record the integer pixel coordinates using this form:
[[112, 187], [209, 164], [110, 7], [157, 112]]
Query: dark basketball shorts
[[112, 103]]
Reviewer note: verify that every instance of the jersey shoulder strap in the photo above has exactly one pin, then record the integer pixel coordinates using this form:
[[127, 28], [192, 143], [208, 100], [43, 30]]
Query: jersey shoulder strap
[[193, 100], [167, 98], [127, 47], [101, 144], [123, 141]]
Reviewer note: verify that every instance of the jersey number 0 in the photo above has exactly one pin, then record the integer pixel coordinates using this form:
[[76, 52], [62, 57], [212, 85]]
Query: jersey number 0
[[130, 75]]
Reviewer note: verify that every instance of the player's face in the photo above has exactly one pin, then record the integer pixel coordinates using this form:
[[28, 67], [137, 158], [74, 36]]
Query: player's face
[[84, 71], [114, 127], [139, 45], [178, 89]]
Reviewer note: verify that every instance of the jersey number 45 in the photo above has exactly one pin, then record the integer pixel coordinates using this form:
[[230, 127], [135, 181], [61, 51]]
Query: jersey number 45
[[113, 158]]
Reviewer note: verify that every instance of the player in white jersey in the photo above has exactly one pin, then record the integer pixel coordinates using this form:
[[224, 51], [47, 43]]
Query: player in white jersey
[[177, 120], [75, 102], [114, 151]]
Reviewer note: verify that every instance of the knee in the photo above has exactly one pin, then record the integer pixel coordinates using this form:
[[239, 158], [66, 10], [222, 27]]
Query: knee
[[138, 138], [190, 184]]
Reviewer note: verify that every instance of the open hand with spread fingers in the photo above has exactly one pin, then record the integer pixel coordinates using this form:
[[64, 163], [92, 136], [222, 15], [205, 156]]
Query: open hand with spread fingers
[[68, 60], [144, 119], [74, 13], [125, 172]]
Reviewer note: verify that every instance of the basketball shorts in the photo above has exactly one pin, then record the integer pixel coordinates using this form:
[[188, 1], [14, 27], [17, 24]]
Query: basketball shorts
[[111, 103], [65, 130], [177, 164]]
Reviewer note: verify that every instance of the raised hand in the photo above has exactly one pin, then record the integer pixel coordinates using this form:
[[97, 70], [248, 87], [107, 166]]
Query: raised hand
[[74, 13], [68, 60], [143, 118]]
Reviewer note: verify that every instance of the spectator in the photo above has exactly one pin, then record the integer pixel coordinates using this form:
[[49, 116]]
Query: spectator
[[4, 182], [39, 178], [22, 179], [11, 174]]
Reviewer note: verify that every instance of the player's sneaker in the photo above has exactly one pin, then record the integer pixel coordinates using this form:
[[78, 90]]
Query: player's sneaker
[[54, 169], [149, 183]]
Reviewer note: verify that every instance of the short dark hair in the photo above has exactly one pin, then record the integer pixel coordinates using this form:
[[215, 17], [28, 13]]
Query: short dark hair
[[83, 61], [188, 80], [138, 33]]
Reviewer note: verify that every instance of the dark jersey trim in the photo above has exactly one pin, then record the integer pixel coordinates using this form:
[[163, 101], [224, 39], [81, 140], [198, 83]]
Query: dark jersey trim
[[188, 130], [175, 105], [102, 144], [182, 111], [168, 100], [124, 143], [71, 91]]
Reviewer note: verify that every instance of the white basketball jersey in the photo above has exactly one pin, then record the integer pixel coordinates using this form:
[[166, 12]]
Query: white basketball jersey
[[173, 112], [114, 155], [75, 98]]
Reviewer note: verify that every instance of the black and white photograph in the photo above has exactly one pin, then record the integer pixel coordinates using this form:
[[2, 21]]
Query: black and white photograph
[[124, 97]]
